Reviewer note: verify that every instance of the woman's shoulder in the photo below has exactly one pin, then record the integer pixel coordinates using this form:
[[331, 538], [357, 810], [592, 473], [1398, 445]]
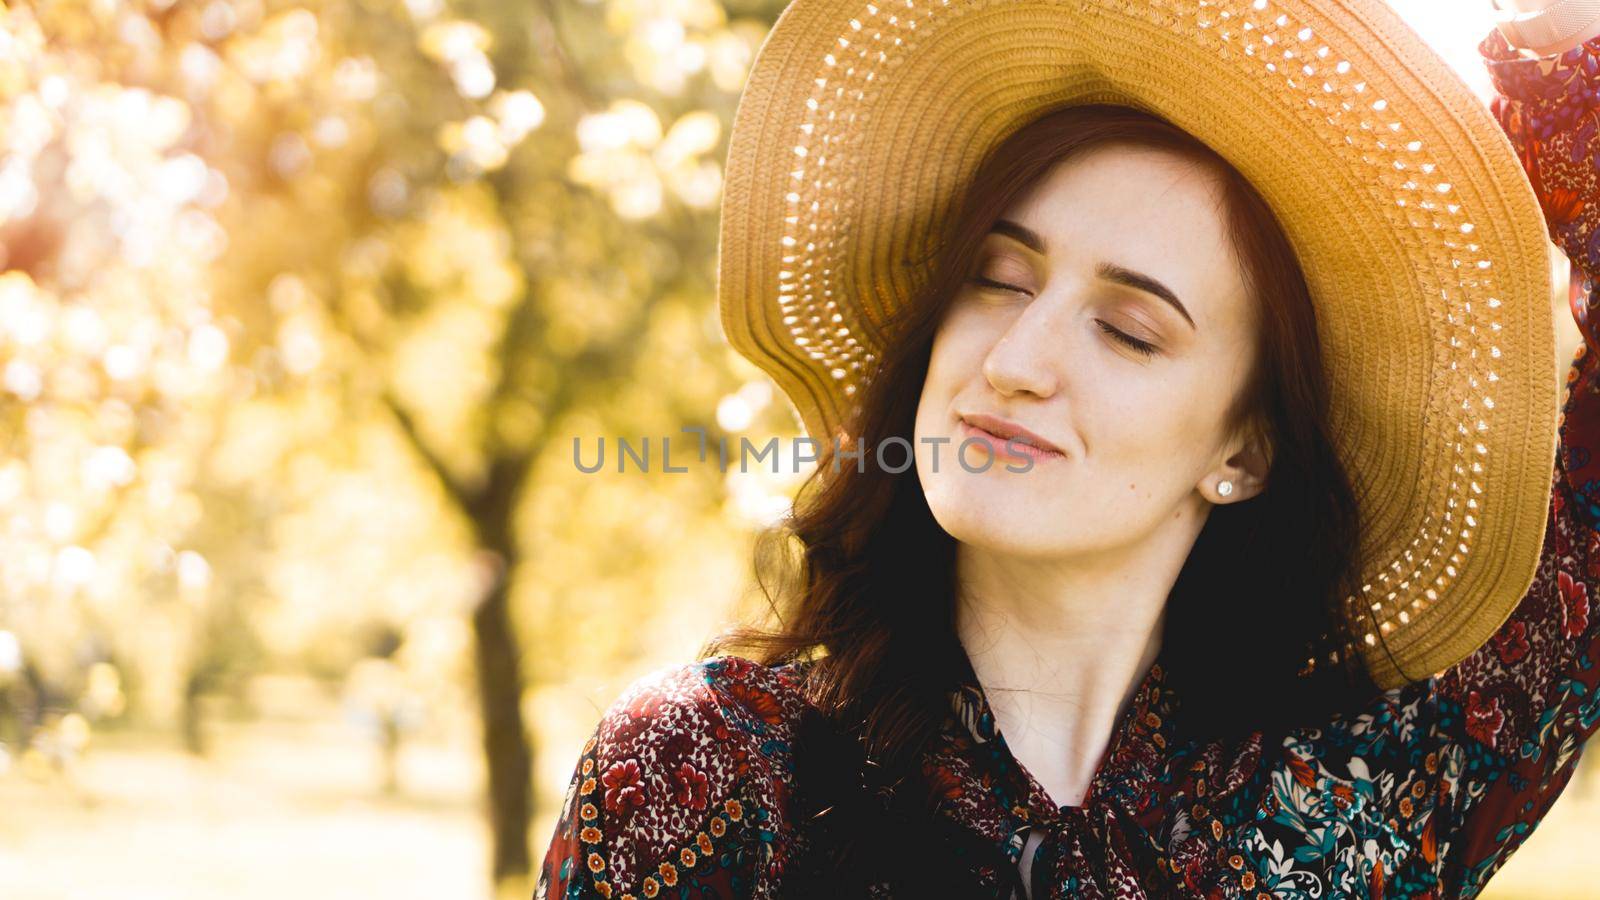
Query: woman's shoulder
[[688, 764], [685, 738], [728, 699]]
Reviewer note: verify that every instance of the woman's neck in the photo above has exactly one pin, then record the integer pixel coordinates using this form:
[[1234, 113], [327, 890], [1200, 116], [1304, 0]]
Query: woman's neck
[[1060, 649]]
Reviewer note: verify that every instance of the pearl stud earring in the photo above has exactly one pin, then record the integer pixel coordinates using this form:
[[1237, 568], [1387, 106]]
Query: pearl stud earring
[[1224, 488]]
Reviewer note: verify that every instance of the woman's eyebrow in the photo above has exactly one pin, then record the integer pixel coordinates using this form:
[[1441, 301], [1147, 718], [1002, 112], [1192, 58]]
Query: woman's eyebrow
[[1020, 233], [1143, 282], [1107, 271]]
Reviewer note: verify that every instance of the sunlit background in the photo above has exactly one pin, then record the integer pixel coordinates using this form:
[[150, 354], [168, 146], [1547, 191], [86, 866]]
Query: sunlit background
[[301, 304]]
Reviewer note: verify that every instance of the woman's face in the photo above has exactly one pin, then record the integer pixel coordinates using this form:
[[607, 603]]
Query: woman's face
[[1109, 318]]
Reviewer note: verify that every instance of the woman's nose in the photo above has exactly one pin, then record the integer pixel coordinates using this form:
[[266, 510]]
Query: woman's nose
[[1026, 355]]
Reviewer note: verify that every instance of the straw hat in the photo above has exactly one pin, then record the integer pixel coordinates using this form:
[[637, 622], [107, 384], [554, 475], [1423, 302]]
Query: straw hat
[[1420, 236]]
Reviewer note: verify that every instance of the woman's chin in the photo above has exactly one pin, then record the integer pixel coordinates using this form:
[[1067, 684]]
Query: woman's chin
[[1019, 527]]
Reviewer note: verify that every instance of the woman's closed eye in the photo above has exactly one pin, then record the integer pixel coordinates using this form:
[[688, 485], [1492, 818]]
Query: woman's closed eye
[[997, 285], [1007, 270], [1141, 347]]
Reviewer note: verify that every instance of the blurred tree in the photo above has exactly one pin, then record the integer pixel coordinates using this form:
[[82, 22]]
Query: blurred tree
[[567, 220], [480, 228], [475, 217]]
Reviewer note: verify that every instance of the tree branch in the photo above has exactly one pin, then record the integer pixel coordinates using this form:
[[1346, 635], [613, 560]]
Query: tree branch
[[459, 493]]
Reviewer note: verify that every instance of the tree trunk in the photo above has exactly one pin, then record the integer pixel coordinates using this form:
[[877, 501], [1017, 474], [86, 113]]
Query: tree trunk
[[505, 739]]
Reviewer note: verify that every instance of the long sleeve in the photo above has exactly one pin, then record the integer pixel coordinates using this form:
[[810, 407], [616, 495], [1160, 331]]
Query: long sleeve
[[681, 790], [1522, 706]]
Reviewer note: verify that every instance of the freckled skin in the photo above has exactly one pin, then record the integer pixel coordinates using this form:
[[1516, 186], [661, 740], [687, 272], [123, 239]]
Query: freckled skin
[[1041, 357]]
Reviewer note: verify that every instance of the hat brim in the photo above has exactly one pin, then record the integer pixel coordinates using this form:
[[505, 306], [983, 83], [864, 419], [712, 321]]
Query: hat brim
[[1418, 232]]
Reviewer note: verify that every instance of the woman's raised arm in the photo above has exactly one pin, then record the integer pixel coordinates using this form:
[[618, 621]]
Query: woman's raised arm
[[1518, 711]]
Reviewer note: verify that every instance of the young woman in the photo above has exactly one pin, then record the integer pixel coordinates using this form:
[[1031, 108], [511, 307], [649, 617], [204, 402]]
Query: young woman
[[1193, 528]]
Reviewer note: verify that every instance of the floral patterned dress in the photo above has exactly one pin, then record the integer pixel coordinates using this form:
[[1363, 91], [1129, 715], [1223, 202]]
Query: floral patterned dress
[[687, 787]]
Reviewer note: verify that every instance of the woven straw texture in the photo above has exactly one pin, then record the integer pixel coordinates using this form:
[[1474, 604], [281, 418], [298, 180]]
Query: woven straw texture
[[1419, 234]]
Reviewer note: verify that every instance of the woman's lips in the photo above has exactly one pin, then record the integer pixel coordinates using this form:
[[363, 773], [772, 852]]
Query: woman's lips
[[1022, 450]]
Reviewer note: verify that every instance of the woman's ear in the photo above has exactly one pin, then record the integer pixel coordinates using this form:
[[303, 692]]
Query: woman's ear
[[1244, 469]]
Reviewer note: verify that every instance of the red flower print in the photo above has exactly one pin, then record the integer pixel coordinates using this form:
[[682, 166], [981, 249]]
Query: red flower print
[[1430, 844], [1530, 162], [1343, 796], [1563, 543], [644, 705], [1564, 205], [1303, 772], [782, 792], [763, 704], [691, 787], [736, 668], [1484, 718], [624, 785], [1511, 641], [1574, 605], [942, 783]]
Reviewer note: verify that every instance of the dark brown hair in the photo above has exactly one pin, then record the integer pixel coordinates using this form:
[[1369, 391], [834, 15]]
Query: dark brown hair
[[860, 577]]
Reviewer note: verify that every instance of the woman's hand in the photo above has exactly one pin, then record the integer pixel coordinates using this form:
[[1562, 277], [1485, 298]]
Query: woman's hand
[[1534, 6]]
